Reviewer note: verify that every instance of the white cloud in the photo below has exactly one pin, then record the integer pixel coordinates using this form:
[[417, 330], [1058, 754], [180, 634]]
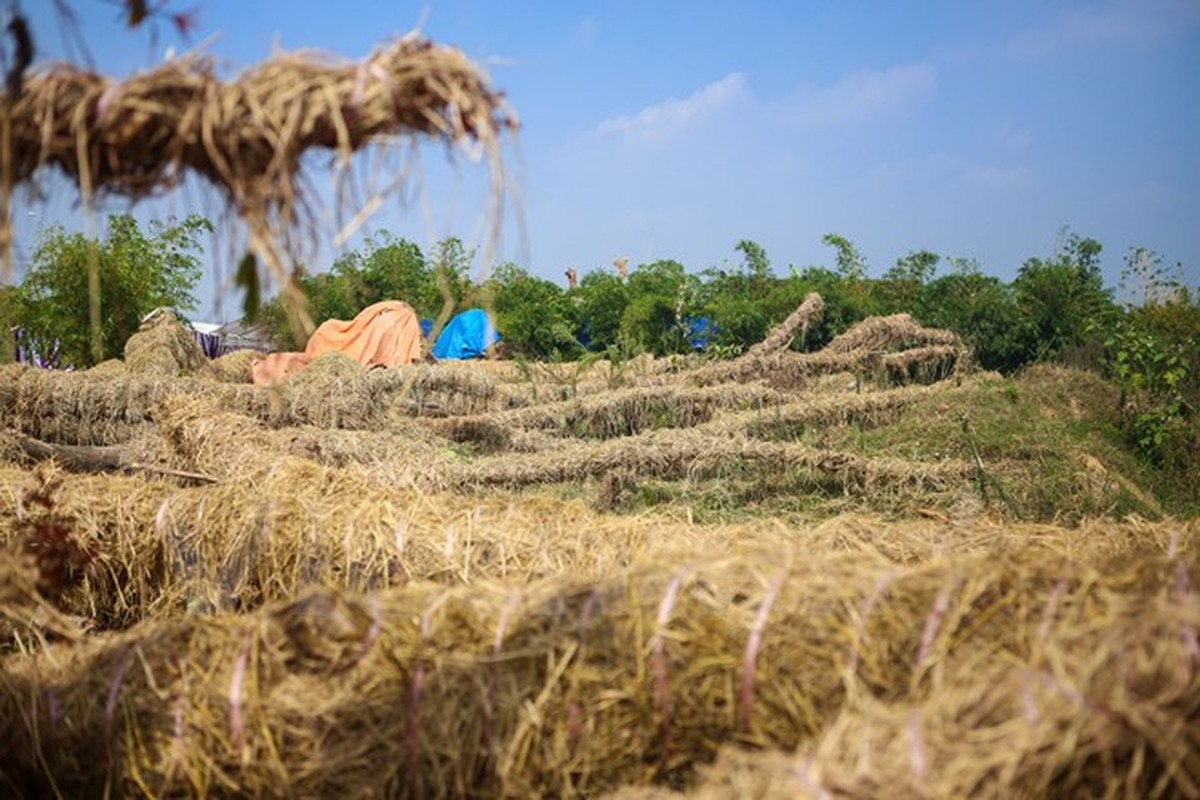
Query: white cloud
[[948, 169], [1117, 23], [664, 120], [585, 33], [865, 94]]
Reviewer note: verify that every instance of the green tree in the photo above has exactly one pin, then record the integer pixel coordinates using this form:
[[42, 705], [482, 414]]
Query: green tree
[[897, 291], [733, 299], [851, 264], [450, 263], [534, 316], [1064, 296], [755, 264], [661, 296], [984, 311], [1153, 352], [138, 272], [383, 268], [602, 298]]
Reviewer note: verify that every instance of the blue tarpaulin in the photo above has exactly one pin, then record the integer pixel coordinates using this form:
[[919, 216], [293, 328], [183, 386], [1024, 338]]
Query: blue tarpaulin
[[467, 335], [701, 332]]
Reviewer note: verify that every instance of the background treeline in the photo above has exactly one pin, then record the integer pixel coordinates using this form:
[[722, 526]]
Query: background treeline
[[1144, 334]]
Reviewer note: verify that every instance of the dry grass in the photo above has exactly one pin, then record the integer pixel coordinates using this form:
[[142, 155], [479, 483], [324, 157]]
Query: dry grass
[[246, 136], [164, 347], [570, 686], [375, 588]]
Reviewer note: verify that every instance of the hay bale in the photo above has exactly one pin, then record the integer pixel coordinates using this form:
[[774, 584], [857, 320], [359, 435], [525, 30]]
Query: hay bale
[[232, 367], [246, 136], [1103, 711], [266, 531], [895, 332], [111, 368], [163, 347], [572, 687]]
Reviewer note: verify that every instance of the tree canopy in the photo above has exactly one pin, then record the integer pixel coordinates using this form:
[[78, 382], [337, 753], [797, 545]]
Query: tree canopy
[[138, 271]]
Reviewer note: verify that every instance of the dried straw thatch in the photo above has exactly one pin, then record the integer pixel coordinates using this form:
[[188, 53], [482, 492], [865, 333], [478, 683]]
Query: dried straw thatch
[[84, 408], [232, 367], [781, 336], [893, 349], [111, 368], [246, 136], [163, 347], [621, 412], [278, 523], [897, 332], [691, 454], [566, 686], [1107, 708], [87, 408]]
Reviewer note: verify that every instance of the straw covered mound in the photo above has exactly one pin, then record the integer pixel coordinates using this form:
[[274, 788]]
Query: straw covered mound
[[572, 686], [570, 580], [245, 135], [163, 346]]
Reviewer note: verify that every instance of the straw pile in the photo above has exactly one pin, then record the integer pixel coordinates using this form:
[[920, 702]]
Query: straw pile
[[159, 550], [163, 346], [245, 136], [361, 582], [891, 349], [232, 367], [570, 686], [1107, 708]]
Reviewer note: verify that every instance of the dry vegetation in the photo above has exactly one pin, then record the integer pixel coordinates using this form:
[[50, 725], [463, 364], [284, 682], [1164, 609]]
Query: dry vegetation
[[787, 575], [865, 571]]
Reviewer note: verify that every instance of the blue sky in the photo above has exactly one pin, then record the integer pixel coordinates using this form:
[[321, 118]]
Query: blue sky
[[673, 130]]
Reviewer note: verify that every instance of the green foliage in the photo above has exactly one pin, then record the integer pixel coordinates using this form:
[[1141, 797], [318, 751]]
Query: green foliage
[[661, 296], [982, 310], [384, 268], [732, 299], [755, 264], [602, 298], [901, 284], [850, 262], [535, 317], [1063, 296], [8, 321], [1153, 353], [916, 267], [451, 270], [138, 272], [847, 301]]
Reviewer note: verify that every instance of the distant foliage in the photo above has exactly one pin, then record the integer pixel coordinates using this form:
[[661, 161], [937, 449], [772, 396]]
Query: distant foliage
[[535, 317], [138, 270], [985, 312], [1152, 351]]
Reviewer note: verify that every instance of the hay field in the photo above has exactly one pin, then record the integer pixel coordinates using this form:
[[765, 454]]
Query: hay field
[[864, 571]]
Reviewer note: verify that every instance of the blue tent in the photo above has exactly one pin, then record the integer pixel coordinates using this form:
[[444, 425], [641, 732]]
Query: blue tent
[[467, 335], [701, 331], [426, 327]]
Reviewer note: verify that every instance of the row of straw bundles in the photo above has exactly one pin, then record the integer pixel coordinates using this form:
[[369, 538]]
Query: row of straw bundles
[[569, 686], [81, 408], [154, 550], [1106, 709]]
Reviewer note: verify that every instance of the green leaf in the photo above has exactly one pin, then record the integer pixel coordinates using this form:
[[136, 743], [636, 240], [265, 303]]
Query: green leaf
[[247, 279]]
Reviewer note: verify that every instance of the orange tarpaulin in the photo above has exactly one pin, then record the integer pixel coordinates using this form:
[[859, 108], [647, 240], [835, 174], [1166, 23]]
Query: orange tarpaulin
[[385, 334]]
